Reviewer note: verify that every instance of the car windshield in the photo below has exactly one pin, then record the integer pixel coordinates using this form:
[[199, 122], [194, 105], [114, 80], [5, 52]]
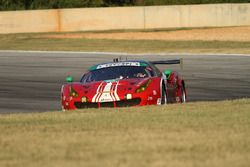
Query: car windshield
[[119, 72]]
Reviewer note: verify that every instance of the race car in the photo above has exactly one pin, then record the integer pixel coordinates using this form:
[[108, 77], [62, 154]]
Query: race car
[[123, 84]]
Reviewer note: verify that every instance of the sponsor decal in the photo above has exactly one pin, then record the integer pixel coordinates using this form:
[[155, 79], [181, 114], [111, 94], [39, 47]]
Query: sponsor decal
[[150, 98], [118, 64]]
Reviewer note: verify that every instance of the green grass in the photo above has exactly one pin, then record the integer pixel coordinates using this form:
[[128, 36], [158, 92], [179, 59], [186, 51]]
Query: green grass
[[31, 42], [194, 134]]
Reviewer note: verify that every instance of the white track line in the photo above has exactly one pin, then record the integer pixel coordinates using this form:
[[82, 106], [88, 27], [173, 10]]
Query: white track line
[[122, 54]]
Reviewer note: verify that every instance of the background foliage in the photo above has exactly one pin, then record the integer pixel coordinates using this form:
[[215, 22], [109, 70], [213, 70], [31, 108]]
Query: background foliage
[[55, 4]]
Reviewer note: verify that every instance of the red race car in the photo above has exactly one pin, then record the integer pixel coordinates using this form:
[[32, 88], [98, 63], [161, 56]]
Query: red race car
[[123, 84]]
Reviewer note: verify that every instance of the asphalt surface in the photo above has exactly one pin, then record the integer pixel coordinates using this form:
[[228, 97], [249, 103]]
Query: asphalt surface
[[31, 81]]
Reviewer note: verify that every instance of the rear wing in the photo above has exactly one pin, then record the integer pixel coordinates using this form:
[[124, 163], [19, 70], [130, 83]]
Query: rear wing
[[169, 62]]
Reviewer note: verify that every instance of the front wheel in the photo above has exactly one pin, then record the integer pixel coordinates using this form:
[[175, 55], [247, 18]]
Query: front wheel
[[163, 96], [183, 94]]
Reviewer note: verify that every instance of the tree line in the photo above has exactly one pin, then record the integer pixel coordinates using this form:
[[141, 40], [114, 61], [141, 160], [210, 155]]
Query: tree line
[[56, 4]]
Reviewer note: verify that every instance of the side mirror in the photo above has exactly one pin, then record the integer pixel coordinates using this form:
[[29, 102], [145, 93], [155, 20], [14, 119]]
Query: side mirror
[[167, 73], [69, 79]]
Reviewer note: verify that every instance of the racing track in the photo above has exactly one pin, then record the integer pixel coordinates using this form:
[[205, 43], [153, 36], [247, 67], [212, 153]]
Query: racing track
[[31, 81]]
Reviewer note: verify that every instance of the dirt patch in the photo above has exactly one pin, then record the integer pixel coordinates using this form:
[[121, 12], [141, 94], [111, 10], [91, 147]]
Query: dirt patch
[[209, 34]]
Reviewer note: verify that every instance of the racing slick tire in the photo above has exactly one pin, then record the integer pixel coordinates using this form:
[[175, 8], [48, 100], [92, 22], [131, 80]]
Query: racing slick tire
[[163, 96], [183, 94]]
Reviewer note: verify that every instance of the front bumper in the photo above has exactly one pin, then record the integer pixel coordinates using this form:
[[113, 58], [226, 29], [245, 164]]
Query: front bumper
[[122, 103], [140, 99]]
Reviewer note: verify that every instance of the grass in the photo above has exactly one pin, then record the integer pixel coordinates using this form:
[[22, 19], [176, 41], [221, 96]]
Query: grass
[[194, 134], [31, 42]]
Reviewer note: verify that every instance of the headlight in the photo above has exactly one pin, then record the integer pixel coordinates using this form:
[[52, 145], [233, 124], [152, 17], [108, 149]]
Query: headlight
[[84, 99], [143, 87], [72, 92], [128, 96]]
